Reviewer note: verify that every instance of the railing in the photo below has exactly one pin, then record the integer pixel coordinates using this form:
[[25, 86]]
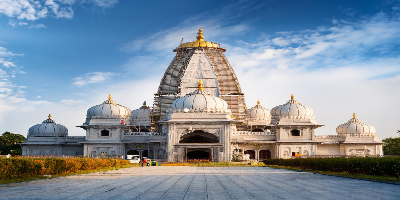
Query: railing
[[253, 133], [327, 136], [76, 137], [144, 133], [345, 135]]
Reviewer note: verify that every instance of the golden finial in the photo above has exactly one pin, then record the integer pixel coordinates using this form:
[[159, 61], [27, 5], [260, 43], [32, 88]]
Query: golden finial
[[200, 85], [200, 36], [354, 115], [49, 117], [258, 102], [109, 97], [292, 97]]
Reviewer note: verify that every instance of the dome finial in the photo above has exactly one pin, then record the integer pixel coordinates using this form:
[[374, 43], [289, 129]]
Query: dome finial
[[49, 117], [144, 103], [200, 85], [292, 97], [109, 97], [258, 102], [354, 115], [200, 36]]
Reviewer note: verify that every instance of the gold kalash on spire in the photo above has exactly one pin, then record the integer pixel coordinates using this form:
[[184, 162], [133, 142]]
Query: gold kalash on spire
[[199, 42], [200, 85]]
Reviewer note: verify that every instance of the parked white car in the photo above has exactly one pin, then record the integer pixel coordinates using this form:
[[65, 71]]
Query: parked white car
[[133, 158]]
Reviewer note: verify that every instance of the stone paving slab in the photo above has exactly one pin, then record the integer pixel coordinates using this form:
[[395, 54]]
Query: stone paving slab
[[163, 182]]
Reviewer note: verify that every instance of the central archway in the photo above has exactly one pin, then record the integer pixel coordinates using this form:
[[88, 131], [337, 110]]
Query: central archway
[[199, 154], [199, 137]]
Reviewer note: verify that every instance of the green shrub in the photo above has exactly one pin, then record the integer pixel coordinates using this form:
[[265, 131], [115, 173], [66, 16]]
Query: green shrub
[[27, 167], [386, 166]]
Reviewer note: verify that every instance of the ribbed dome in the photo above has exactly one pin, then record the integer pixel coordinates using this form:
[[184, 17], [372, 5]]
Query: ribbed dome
[[199, 100], [292, 109], [141, 114], [48, 128], [258, 112], [354, 125], [108, 109]]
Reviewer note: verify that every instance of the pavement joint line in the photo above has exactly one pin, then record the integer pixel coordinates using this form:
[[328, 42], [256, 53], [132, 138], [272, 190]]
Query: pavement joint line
[[272, 194], [190, 184], [222, 185], [109, 183], [241, 187], [136, 187], [170, 187]]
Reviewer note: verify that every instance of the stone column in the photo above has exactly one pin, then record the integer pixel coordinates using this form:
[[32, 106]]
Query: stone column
[[216, 154], [212, 154], [258, 155]]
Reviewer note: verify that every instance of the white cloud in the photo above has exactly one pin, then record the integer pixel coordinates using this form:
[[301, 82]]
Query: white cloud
[[22, 23], [104, 3], [281, 42], [92, 77], [38, 9], [37, 26]]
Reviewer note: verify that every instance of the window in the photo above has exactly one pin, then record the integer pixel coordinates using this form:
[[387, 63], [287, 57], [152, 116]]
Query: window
[[105, 133], [295, 132]]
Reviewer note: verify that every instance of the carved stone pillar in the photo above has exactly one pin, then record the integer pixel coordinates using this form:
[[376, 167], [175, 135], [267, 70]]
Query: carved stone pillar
[[258, 155]]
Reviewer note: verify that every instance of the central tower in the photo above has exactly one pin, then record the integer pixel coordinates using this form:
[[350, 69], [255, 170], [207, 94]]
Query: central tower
[[205, 61]]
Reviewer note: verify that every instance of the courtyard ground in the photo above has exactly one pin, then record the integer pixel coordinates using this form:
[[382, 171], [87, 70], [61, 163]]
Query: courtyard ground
[[200, 183]]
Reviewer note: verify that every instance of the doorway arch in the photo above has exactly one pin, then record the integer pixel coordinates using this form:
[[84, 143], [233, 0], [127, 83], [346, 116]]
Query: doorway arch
[[199, 154], [199, 136]]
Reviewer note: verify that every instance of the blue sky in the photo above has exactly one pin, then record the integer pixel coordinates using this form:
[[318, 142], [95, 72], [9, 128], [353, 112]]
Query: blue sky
[[64, 56]]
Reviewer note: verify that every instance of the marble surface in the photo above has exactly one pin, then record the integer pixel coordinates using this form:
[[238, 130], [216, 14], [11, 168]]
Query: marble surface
[[200, 183]]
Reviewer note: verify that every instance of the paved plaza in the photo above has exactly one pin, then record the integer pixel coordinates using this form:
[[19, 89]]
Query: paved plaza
[[201, 183]]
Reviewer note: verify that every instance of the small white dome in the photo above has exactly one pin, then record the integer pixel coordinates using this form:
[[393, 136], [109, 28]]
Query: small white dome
[[354, 125], [200, 100], [48, 128], [258, 112], [141, 114], [293, 110], [108, 109]]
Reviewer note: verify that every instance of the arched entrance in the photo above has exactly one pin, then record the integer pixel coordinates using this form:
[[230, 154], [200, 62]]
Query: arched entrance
[[199, 137], [199, 154]]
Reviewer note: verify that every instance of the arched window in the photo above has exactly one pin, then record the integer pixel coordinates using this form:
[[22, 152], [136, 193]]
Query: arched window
[[295, 132], [105, 133]]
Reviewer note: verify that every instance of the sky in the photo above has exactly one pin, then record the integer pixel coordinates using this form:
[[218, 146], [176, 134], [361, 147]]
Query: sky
[[65, 56]]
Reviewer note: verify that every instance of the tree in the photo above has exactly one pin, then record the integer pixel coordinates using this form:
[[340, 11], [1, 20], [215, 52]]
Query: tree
[[392, 145], [9, 143]]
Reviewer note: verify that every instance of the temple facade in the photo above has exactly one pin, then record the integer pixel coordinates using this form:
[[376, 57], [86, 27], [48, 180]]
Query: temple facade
[[199, 113]]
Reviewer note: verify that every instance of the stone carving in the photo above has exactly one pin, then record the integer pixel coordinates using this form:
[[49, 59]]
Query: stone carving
[[254, 133], [233, 129], [144, 133]]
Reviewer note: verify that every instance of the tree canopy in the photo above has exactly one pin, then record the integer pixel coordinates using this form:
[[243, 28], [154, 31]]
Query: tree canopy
[[9, 143], [392, 145]]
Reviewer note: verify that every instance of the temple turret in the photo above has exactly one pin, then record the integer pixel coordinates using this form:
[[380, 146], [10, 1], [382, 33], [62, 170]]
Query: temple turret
[[205, 61]]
